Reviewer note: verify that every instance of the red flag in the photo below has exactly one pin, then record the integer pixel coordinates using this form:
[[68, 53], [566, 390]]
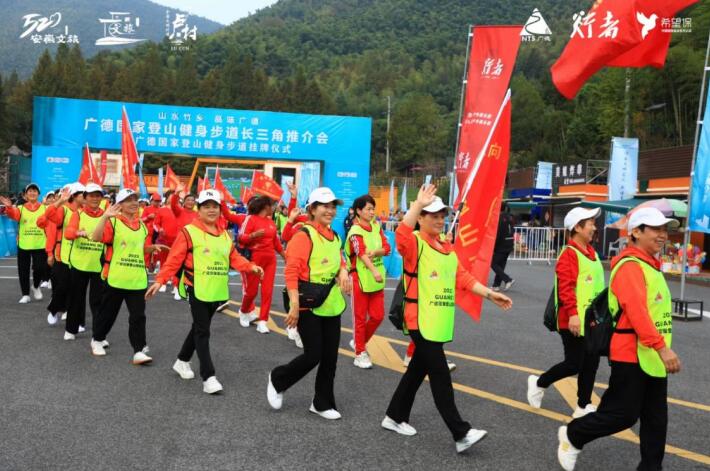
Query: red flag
[[104, 161], [246, 194], [490, 66], [129, 154], [171, 180], [619, 33], [219, 186], [88, 172], [264, 185], [478, 220]]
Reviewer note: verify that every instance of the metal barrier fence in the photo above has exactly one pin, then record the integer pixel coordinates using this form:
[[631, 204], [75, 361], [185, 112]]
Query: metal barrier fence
[[537, 244]]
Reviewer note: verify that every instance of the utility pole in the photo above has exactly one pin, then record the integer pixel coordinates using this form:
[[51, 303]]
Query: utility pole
[[627, 103], [387, 151]]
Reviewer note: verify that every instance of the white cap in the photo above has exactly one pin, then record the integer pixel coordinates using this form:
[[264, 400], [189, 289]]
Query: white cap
[[435, 206], [123, 194], [93, 188], [209, 195], [76, 187], [650, 217], [580, 214], [323, 195]]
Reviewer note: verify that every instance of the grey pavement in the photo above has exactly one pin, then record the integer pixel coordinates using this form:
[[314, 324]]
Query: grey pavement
[[61, 408]]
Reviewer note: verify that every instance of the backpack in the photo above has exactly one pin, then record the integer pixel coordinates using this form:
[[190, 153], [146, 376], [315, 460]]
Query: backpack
[[396, 315], [600, 325], [549, 317]]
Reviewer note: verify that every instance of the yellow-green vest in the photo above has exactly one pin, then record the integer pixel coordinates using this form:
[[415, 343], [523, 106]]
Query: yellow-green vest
[[85, 254], [324, 265], [658, 302], [29, 235], [373, 241], [126, 269], [210, 261], [65, 248], [590, 282]]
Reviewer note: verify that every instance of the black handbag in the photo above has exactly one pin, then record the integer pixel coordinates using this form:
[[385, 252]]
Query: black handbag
[[310, 295]]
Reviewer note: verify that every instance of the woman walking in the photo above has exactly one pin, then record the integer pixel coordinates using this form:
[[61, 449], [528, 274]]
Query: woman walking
[[314, 269]]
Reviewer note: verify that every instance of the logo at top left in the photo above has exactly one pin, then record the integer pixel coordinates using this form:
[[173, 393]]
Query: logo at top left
[[46, 29]]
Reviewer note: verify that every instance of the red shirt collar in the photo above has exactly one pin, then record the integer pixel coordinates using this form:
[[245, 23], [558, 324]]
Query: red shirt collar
[[589, 251], [93, 212]]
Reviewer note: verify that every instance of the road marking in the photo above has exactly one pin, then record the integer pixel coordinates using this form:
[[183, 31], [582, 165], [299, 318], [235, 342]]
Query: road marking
[[382, 354], [697, 311]]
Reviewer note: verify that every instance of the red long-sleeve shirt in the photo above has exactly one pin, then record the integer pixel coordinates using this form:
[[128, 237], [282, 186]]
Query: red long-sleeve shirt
[[407, 246], [298, 253], [629, 286], [268, 243], [55, 215], [50, 231], [179, 255], [166, 224], [567, 271], [357, 243], [229, 216], [73, 227], [291, 228], [183, 216]]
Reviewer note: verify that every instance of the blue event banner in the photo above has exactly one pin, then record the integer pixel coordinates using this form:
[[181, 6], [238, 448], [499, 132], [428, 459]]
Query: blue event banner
[[699, 217]]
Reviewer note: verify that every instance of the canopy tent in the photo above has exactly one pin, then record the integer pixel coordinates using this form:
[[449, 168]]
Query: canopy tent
[[618, 206]]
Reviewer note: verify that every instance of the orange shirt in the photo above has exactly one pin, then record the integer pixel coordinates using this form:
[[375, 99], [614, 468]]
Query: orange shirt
[[180, 255], [298, 253], [407, 247], [629, 286]]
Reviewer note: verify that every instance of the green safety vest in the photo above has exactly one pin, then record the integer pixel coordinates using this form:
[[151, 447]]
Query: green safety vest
[[281, 222], [65, 248], [126, 269], [324, 265], [590, 282], [210, 262], [85, 254], [29, 236], [436, 282], [658, 301], [373, 241]]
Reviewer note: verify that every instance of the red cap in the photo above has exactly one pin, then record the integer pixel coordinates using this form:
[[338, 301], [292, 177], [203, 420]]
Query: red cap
[[156, 197]]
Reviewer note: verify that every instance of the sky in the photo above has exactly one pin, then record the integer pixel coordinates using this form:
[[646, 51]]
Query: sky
[[221, 11]]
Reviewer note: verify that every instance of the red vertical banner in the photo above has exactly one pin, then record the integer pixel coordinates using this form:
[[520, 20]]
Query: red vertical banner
[[129, 154], [171, 180], [104, 161], [478, 220], [88, 172], [490, 66]]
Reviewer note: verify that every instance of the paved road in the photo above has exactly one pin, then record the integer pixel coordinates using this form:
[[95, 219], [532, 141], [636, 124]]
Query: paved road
[[61, 408]]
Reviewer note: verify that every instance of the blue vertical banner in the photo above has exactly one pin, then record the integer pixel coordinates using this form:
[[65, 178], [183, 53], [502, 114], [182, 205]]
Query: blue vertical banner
[[623, 171], [699, 217], [160, 181], [391, 197], [403, 200], [285, 180], [141, 183], [543, 179]]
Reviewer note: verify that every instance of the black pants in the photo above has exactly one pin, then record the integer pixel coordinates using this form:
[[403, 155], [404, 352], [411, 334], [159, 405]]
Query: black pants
[[38, 259], [76, 309], [198, 339], [111, 305], [632, 395], [500, 259], [60, 288], [428, 359], [575, 362], [321, 340]]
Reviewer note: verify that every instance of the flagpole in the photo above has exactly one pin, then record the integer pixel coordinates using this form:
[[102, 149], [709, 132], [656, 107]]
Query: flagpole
[[479, 160], [464, 82], [686, 235]]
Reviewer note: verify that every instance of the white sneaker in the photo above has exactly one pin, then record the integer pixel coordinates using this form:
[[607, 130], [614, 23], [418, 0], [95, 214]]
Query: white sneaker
[[37, 293], [52, 319], [472, 437], [163, 289], [566, 452], [297, 339], [49, 284], [403, 429], [146, 349], [290, 332], [69, 336], [44, 284], [184, 369], [363, 361], [24, 300], [64, 316], [140, 358], [81, 329], [176, 294], [535, 392], [330, 414], [406, 360], [507, 285], [275, 398], [212, 386], [105, 344], [262, 328], [352, 345], [579, 412], [451, 365], [97, 348], [246, 318]]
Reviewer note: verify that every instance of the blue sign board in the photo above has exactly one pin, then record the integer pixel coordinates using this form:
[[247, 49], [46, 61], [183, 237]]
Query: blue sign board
[[62, 126]]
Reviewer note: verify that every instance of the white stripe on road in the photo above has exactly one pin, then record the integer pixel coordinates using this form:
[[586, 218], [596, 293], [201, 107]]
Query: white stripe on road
[[697, 311]]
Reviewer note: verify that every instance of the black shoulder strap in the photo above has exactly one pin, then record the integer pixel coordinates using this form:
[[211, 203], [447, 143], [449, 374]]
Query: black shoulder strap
[[411, 275]]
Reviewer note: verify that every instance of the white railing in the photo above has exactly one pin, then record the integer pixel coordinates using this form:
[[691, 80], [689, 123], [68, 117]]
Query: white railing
[[537, 244]]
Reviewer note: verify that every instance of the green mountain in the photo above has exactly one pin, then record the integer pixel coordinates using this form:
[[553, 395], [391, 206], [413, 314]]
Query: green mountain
[[78, 18]]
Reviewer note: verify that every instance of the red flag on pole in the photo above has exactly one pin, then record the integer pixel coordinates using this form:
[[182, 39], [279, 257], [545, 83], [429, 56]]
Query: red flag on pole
[[129, 154], [88, 172], [104, 162], [246, 194], [171, 180], [219, 186], [491, 63], [478, 220], [618, 33], [203, 183], [264, 185]]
